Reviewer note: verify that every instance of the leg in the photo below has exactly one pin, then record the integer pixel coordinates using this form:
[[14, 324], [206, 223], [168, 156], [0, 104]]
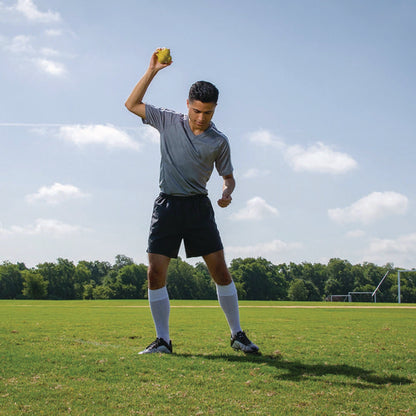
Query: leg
[[162, 239], [158, 294], [226, 291], [228, 299]]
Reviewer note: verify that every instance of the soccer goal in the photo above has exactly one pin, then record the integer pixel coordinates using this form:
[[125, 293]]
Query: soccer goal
[[337, 298], [360, 296]]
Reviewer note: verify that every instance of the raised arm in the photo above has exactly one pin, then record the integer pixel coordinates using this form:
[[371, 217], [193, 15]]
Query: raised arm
[[135, 101], [227, 189]]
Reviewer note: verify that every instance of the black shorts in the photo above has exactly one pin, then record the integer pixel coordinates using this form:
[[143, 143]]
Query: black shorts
[[177, 218]]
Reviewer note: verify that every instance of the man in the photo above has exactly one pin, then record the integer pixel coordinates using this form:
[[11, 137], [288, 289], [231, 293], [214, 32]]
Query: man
[[190, 147]]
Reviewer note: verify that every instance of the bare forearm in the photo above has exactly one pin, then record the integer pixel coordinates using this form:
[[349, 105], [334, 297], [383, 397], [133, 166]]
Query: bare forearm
[[137, 95], [228, 187], [227, 190]]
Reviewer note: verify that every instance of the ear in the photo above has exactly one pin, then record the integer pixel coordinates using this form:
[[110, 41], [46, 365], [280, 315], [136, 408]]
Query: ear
[[187, 103]]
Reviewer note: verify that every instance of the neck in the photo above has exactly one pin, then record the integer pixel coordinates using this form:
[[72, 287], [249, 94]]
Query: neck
[[197, 130]]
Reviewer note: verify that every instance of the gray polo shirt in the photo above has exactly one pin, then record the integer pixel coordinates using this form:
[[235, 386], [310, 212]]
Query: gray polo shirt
[[187, 160]]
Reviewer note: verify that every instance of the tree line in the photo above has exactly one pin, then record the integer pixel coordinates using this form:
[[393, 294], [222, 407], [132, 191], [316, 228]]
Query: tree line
[[255, 279]]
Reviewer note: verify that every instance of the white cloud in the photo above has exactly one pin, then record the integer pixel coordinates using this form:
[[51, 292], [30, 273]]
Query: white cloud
[[255, 209], [44, 226], [29, 9], [20, 44], [355, 234], [49, 52], [53, 32], [266, 138], [55, 194], [149, 134], [50, 67], [315, 158], [400, 251], [256, 173], [319, 158], [98, 134], [371, 208], [266, 249], [3, 231]]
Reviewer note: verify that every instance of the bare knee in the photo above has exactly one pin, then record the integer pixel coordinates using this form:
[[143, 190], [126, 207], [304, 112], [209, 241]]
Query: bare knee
[[218, 269], [157, 272], [220, 273], [155, 278], [222, 277]]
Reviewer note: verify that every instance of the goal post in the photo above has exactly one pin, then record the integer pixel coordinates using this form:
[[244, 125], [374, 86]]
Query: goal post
[[398, 283], [374, 295]]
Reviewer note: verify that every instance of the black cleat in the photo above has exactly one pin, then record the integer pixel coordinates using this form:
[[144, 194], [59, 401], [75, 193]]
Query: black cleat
[[158, 345], [240, 342]]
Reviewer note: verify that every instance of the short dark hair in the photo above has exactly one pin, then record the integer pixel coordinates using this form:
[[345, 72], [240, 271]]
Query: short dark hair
[[203, 91]]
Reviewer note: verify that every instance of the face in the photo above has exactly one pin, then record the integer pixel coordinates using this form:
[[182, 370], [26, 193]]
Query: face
[[200, 114]]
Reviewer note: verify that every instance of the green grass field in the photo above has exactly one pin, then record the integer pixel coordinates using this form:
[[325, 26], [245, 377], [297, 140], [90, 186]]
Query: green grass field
[[80, 357]]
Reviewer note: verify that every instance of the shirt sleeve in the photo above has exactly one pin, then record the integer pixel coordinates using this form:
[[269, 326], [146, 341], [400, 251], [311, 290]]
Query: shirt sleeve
[[223, 162], [158, 118]]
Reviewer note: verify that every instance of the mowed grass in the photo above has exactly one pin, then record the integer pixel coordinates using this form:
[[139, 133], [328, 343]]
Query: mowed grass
[[80, 357]]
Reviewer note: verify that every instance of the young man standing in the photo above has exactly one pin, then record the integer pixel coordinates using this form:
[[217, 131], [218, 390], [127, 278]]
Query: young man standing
[[190, 147]]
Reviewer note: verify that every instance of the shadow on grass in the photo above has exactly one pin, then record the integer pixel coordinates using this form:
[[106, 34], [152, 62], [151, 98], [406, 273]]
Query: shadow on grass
[[298, 371]]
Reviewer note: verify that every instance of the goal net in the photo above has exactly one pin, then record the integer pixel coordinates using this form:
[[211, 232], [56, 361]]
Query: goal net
[[360, 297]]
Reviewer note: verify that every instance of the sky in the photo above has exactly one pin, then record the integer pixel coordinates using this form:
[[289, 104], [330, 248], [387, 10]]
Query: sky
[[317, 99]]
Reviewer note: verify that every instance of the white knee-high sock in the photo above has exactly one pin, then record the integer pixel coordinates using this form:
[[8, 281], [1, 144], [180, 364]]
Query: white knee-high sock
[[228, 299], [160, 307]]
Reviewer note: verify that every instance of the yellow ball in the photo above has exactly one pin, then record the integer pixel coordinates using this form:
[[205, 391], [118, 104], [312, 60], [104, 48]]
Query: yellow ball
[[163, 56]]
